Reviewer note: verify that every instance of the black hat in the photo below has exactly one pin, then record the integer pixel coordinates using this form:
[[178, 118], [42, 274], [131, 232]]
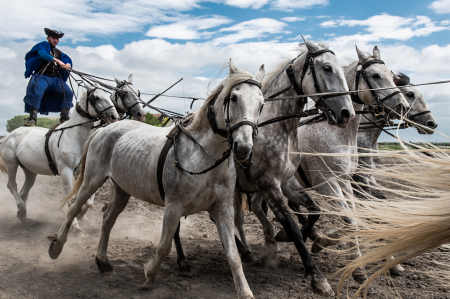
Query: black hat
[[53, 33]]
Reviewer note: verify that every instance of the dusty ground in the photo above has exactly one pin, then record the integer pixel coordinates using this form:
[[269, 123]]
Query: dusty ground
[[26, 271]]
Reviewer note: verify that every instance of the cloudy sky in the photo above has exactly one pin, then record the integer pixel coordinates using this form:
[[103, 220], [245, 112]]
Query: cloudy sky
[[162, 41]]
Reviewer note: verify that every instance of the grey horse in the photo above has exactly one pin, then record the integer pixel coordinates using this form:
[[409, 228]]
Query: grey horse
[[128, 153]]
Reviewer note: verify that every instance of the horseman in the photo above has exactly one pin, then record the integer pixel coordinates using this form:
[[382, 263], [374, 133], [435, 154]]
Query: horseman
[[47, 90]]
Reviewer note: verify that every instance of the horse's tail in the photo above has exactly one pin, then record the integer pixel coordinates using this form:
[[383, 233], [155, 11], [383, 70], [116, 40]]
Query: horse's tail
[[80, 179], [2, 163]]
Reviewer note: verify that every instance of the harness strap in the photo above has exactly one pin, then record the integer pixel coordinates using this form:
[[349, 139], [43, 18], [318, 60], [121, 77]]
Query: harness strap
[[418, 114], [302, 175], [162, 160], [51, 164]]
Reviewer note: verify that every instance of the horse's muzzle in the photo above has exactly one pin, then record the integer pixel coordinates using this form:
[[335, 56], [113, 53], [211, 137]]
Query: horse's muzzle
[[241, 151]]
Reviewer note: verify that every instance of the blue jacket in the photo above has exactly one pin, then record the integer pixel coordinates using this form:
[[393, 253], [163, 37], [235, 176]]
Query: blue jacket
[[33, 60]]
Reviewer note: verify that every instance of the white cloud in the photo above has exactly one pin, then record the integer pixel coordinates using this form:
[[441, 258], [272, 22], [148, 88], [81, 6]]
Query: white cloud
[[445, 22], [440, 6], [187, 29], [252, 29], [385, 26], [290, 5], [255, 4], [293, 19]]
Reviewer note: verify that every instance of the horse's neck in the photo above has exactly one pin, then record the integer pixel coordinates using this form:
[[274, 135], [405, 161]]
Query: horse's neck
[[79, 133], [350, 76], [372, 133], [283, 107]]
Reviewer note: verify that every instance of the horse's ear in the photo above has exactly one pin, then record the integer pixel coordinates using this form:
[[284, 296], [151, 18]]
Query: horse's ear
[[233, 68], [312, 47], [130, 78], [88, 86], [376, 53], [361, 55], [261, 74], [117, 80]]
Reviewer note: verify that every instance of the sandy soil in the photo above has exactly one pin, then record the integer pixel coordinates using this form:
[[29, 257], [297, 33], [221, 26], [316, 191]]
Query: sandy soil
[[26, 270]]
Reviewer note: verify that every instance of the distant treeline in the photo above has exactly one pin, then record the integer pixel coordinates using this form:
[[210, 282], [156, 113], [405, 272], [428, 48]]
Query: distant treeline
[[45, 122], [396, 145]]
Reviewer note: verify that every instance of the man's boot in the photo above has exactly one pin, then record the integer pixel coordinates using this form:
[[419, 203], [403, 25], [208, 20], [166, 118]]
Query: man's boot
[[64, 116], [31, 121]]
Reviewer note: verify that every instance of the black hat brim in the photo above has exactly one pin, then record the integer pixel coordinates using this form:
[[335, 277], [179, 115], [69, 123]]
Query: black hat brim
[[53, 33]]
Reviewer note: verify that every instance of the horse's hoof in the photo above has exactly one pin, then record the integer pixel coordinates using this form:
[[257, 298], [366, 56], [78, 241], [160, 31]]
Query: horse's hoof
[[397, 270], [320, 286], [359, 277], [145, 287], [185, 266], [249, 258], [22, 214], [282, 236], [316, 247], [55, 248], [105, 268]]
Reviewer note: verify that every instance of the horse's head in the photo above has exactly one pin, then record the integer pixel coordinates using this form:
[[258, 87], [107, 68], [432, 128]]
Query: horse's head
[[326, 75], [128, 101], [371, 73], [241, 107], [98, 104], [418, 113]]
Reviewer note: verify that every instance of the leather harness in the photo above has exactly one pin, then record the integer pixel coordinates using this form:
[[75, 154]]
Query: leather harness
[[116, 96], [173, 136]]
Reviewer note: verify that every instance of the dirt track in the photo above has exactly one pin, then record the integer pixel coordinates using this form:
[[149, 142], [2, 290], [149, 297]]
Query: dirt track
[[26, 270]]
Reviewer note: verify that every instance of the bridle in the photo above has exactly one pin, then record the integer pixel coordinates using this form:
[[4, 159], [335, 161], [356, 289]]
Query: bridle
[[309, 64], [92, 99], [227, 133], [361, 72], [116, 96], [229, 130]]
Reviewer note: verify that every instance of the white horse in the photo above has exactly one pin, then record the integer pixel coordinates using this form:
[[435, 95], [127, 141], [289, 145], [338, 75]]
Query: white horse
[[330, 175], [25, 146], [127, 102], [128, 153], [421, 118]]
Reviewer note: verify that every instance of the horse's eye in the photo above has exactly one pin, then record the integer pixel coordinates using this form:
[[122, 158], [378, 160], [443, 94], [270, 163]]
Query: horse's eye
[[376, 76], [233, 97], [410, 94], [328, 68]]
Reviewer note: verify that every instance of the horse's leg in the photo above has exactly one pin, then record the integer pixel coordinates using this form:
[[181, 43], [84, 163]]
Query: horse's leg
[[181, 258], [12, 186], [118, 204], [297, 196], [89, 204], [244, 249], [268, 228], [375, 189], [30, 179], [223, 214], [67, 177], [172, 215], [91, 183], [274, 198]]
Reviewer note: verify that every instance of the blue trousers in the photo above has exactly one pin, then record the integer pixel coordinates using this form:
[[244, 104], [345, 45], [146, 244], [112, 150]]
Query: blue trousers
[[48, 94]]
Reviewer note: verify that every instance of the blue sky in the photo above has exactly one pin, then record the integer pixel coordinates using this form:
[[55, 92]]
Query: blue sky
[[162, 41]]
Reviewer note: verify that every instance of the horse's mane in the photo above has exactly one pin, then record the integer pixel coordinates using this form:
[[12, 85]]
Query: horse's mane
[[401, 79], [198, 120], [301, 49]]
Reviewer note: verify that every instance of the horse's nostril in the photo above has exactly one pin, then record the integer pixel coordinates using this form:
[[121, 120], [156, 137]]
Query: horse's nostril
[[235, 145], [345, 115], [431, 124], [113, 117]]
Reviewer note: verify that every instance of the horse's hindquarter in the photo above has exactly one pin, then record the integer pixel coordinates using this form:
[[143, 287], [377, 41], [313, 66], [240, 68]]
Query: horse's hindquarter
[[28, 143], [134, 165]]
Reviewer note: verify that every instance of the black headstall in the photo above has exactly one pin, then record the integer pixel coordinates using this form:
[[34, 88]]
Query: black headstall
[[118, 94], [91, 99]]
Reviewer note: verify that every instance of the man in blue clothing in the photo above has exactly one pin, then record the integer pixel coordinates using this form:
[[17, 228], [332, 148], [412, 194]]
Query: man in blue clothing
[[47, 90]]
